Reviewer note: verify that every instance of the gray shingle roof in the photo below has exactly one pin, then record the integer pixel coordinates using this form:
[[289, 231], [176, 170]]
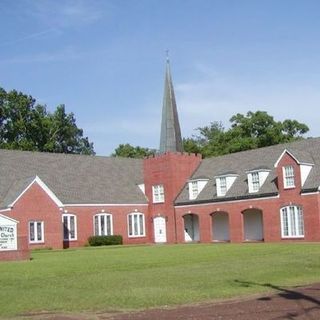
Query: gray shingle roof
[[74, 179], [305, 151]]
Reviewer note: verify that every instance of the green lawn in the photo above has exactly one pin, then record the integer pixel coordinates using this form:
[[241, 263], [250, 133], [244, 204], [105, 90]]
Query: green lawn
[[119, 278]]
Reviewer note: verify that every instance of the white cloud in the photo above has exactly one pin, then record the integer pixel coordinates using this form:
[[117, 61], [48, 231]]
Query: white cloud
[[217, 98]]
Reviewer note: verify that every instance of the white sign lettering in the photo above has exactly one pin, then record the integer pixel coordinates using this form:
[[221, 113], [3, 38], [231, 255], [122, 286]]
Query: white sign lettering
[[8, 235]]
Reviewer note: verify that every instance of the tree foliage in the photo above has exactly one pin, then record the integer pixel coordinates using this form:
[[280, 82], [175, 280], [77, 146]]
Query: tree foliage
[[25, 125], [128, 151], [253, 130]]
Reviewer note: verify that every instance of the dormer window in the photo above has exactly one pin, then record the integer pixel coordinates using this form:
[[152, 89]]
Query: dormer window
[[195, 187], [288, 177], [256, 179], [158, 193], [223, 186], [224, 183]]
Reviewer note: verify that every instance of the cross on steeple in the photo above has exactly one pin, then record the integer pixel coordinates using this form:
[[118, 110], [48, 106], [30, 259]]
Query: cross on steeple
[[170, 139]]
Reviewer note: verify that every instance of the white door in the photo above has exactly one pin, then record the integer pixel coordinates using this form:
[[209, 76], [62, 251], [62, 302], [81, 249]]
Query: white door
[[160, 234]]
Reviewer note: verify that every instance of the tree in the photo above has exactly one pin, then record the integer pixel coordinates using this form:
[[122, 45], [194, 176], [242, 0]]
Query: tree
[[128, 151], [253, 130], [25, 125]]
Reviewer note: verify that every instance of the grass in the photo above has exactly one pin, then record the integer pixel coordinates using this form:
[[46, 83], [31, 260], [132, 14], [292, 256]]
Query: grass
[[122, 278]]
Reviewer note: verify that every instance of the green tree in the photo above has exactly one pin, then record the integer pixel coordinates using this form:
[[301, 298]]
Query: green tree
[[128, 151], [253, 130], [25, 125]]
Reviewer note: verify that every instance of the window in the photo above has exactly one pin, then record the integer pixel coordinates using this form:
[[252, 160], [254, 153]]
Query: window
[[292, 222], [255, 181], [158, 193], [194, 189], [69, 227], [103, 224], [223, 186], [136, 224], [288, 175], [36, 232]]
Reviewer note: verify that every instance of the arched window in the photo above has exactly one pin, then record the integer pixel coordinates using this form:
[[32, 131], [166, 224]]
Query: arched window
[[102, 224], [136, 226], [292, 225]]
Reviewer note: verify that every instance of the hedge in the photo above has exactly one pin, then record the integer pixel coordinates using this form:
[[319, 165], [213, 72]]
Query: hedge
[[104, 240]]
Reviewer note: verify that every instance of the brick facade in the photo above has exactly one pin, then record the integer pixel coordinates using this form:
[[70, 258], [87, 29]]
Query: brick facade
[[172, 170]]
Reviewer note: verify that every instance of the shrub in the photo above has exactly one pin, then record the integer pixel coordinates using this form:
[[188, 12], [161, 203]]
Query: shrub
[[95, 241]]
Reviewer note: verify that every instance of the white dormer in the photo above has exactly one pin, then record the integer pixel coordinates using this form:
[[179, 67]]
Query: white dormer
[[305, 168], [256, 179], [224, 183], [304, 172], [195, 187]]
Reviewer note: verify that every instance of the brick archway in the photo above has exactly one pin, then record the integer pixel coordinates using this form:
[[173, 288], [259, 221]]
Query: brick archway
[[252, 225], [220, 226], [191, 227]]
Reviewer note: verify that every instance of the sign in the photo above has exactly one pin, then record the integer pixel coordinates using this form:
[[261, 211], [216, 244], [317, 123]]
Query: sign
[[8, 234]]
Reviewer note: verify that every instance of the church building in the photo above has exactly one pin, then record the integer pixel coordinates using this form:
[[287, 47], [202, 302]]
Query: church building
[[60, 200]]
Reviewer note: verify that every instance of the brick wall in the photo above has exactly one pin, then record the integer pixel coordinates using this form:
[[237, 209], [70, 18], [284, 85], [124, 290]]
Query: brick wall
[[172, 170]]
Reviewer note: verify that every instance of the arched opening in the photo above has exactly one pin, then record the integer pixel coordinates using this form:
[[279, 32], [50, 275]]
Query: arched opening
[[191, 228], [253, 225], [220, 226]]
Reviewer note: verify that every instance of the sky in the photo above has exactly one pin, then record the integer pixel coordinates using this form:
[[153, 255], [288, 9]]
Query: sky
[[105, 60]]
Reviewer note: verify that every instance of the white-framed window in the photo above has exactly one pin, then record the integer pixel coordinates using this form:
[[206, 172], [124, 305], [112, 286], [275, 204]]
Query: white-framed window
[[288, 176], [223, 186], [36, 231], [194, 189], [136, 225], [69, 223], [158, 193], [255, 181], [102, 224], [292, 225]]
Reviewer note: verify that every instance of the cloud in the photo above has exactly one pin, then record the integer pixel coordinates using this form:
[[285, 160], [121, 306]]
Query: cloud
[[218, 97]]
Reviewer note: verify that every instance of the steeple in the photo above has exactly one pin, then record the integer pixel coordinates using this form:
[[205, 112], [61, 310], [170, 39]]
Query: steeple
[[170, 139]]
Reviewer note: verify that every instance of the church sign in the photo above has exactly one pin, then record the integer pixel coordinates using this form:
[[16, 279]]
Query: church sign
[[8, 234]]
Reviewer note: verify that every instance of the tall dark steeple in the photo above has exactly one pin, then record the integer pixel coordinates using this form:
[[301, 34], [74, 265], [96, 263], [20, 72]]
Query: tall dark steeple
[[170, 139]]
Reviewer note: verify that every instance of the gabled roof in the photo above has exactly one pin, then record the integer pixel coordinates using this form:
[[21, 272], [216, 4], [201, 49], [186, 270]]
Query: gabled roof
[[74, 179], [304, 151]]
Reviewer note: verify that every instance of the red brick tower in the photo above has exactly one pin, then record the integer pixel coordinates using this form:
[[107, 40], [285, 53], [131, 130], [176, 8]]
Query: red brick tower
[[166, 173]]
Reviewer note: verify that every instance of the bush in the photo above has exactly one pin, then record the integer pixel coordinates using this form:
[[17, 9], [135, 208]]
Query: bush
[[95, 241]]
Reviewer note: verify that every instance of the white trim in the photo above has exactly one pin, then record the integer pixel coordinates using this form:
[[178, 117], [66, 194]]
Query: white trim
[[223, 202], [35, 222], [105, 214], [132, 214], [4, 210], [310, 193], [104, 205], [290, 154], [158, 193], [292, 228], [69, 215], [287, 177], [45, 189], [5, 217]]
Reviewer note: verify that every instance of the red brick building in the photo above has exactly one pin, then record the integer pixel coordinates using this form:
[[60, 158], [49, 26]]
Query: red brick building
[[268, 194]]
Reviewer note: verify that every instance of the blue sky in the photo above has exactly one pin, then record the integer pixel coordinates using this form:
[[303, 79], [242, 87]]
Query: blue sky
[[105, 60]]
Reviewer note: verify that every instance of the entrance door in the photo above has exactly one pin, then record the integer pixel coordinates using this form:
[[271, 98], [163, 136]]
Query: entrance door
[[160, 233]]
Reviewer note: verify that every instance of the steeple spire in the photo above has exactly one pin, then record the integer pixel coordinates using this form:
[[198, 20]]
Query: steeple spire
[[170, 139]]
